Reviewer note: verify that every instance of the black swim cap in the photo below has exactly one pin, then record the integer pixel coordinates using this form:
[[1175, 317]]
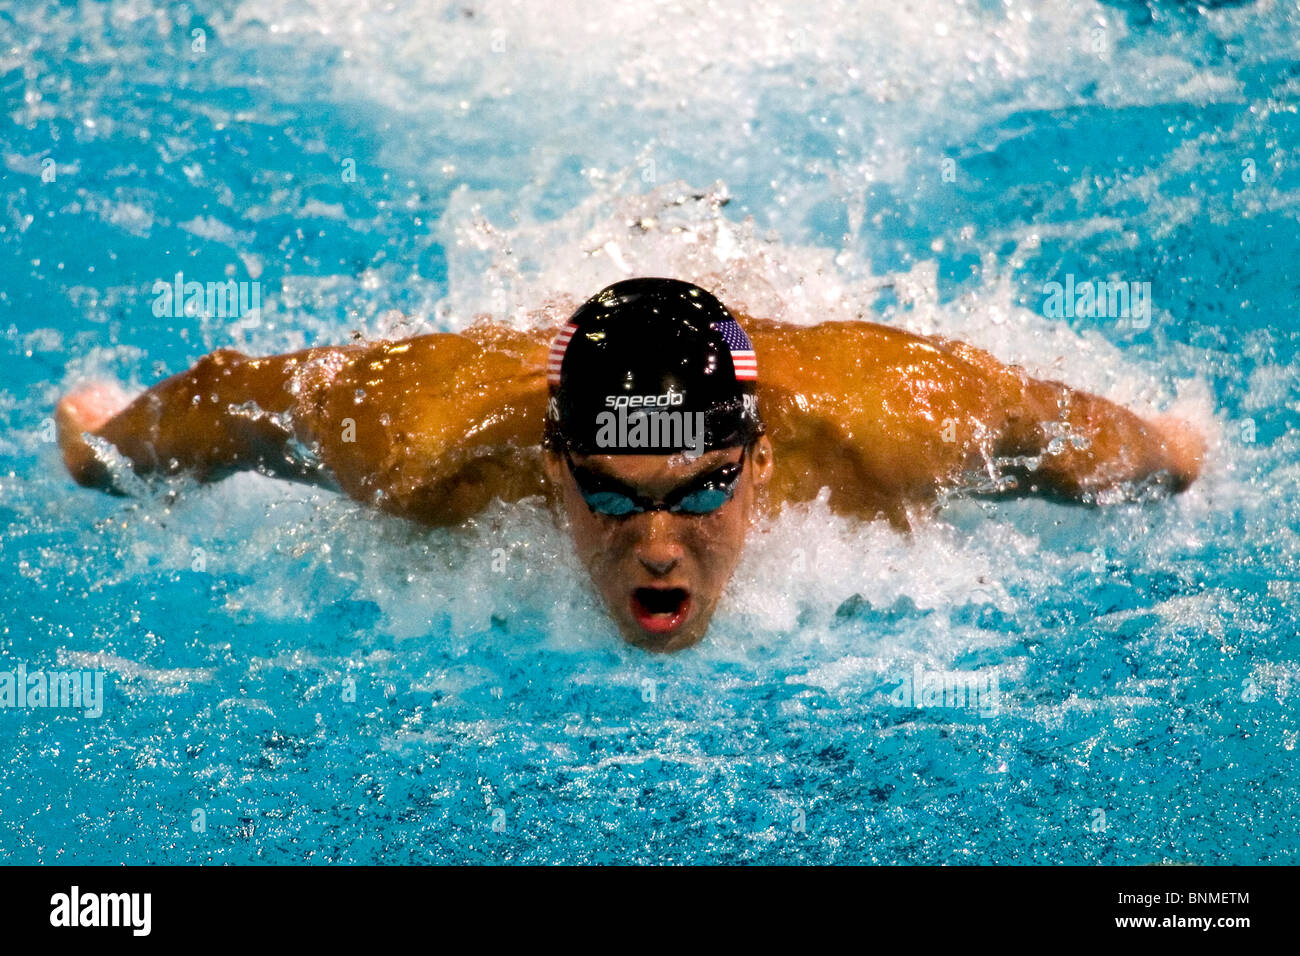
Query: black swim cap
[[651, 366]]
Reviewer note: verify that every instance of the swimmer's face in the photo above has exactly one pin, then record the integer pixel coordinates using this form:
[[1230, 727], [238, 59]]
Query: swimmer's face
[[661, 573]]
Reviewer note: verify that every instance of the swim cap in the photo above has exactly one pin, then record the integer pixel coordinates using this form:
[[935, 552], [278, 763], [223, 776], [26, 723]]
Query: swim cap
[[651, 366]]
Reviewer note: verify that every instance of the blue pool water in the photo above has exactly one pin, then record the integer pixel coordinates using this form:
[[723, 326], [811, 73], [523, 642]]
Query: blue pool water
[[291, 677]]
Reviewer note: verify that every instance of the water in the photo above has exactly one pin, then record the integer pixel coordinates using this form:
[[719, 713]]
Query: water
[[292, 677]]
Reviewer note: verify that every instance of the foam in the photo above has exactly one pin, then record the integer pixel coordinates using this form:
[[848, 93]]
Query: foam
[[275, 536]]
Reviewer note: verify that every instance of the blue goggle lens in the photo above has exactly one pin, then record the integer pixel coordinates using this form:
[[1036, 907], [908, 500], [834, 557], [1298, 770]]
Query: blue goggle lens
[[610, 503], [718, 488], [705, 500]]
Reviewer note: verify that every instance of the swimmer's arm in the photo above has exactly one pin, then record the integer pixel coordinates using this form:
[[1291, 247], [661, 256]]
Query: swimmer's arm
[[431, 428], [1076, 445], [227, 413]]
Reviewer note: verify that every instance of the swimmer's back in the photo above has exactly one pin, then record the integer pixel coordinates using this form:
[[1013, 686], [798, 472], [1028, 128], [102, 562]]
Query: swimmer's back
[[434, 427], [881, 417], [444, 423]]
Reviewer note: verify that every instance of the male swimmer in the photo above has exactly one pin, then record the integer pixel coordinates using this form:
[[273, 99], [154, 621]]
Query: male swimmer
[[640, 421]]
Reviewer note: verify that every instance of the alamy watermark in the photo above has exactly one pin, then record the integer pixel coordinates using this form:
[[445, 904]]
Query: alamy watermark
[[80, 690], [650, 422], [1103, 298], [228, 299], [75, 908], [970, 690]]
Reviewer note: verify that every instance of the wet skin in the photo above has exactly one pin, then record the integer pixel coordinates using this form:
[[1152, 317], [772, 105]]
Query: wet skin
[[434, 427]]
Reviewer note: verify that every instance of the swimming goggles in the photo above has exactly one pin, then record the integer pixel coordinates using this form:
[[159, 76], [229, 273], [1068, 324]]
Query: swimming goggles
[[700, 496]]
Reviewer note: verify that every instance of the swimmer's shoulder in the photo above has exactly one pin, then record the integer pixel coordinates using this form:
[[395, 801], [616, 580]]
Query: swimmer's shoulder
[[828, 351], [528, 346], [438, 362], [803, 356]]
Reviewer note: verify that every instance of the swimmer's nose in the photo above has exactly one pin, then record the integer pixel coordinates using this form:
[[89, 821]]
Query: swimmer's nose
[[658, 551], [658, 568]]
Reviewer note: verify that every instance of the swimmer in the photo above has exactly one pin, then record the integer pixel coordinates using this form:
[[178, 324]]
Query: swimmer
[[658, 424]]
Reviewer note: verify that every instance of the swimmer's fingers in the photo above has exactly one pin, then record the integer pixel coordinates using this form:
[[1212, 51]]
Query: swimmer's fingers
[[86, 409], [1184, 446]]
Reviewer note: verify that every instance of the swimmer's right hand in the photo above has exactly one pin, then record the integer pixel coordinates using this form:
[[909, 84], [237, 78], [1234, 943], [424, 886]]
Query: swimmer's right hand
[[86, 409]]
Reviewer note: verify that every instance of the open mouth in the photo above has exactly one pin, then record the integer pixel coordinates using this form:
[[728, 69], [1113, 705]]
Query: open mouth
[[660, 610]]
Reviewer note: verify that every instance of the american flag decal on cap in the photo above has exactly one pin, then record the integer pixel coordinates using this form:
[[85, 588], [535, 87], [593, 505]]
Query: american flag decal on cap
[[742, 351], [556, 357]]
